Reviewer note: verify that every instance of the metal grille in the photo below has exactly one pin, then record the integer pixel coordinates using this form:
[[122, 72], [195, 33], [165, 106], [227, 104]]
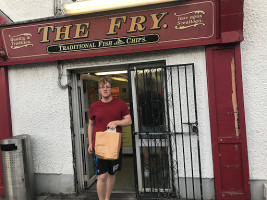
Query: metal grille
[[167, 135]]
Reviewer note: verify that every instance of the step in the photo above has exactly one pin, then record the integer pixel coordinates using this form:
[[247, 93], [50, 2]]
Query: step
[[92, 195]]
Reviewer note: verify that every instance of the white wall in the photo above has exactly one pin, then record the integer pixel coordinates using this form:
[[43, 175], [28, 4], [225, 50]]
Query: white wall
[[254, 69], [40, 109]]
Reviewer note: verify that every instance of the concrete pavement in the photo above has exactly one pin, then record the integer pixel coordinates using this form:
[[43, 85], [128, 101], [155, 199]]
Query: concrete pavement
[[90, 195], [85, 195]]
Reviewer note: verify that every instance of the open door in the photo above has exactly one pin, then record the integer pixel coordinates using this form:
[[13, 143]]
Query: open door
[[88, 164], [85, 172], [84, 93]]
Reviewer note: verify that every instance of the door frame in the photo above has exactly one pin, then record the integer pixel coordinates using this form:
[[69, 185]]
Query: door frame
[[75, 117], [77, 157]]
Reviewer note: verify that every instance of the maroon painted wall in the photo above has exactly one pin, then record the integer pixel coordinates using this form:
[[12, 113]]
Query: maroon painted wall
[[231, 20], [5, 116]]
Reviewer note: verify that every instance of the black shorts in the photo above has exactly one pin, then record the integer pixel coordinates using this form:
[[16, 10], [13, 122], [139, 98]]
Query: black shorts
[[110, 166]]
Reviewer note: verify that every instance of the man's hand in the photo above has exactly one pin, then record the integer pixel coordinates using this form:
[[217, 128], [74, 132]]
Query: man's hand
[[90, 149], [126, 121], [112, 124]]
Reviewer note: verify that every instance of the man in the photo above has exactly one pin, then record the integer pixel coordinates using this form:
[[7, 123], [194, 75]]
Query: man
[[106, 113], [151, 121]]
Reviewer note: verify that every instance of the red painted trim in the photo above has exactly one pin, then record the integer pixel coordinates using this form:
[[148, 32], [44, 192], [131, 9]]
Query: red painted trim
[[217, 17], [231, 140], [241, 109], [213, 123], [231, 20], [232, 36], [216, 140], [235, 197], [5, 114]]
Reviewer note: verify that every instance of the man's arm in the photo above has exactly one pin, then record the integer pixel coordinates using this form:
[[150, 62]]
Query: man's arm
[[90, 135], [126, 121]]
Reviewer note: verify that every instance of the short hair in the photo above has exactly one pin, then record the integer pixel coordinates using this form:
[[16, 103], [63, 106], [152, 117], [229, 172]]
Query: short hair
[[104, 80]]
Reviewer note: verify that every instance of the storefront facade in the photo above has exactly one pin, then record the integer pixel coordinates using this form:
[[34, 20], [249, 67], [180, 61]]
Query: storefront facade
[[190, 49]]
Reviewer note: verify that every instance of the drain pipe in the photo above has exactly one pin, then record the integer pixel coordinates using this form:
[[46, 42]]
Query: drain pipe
[[60, 75], [57, 12]]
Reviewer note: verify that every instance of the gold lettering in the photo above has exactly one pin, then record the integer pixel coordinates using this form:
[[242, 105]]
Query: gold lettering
[[135, 40], [157, 20], [80, 28], [66, 33], [45, 32], [139, 24], [104, 43], [114, 23]]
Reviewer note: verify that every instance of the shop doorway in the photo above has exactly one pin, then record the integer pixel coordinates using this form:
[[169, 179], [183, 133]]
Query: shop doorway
[[162, 150], [84, 92], [125, 179]]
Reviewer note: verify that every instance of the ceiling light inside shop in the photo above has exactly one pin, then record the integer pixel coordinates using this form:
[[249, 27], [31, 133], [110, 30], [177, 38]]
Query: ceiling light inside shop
[[111, 72], [119, 79], [91, 6]]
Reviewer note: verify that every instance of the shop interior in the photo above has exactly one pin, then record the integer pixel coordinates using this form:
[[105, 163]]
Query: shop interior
[[125, 181]]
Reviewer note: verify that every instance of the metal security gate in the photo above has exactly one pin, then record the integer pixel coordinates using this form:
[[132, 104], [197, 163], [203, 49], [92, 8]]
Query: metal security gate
[[166, 133]]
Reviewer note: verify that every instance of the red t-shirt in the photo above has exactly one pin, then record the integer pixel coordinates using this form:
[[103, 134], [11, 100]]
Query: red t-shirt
[[103, 113]]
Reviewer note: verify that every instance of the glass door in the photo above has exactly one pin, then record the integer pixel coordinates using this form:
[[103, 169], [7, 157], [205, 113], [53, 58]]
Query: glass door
[[84, 165], [89, 94]]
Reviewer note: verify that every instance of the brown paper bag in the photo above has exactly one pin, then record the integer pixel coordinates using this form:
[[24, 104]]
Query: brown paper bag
[[107, 145]]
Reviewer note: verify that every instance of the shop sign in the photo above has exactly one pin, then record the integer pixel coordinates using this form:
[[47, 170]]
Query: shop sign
[[186, 24]]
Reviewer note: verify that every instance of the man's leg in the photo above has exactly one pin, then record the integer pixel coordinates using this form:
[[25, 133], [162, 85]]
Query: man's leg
[[146, 161], [110, 184], [102, 185], [114, 166]]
